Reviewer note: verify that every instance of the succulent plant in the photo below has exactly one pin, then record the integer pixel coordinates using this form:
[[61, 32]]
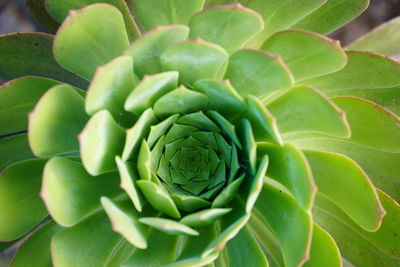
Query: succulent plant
[[192, 133]]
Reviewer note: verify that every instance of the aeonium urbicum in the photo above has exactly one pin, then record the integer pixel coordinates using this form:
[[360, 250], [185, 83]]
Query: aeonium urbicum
[[188, 147]]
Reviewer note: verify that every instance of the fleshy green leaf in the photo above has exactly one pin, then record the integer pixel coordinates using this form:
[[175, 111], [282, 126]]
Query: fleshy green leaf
[[226, 127], [189, 203], [151, 13], [60, 9], [144, 161], [243, 250], [194, 246], [35, 251], [91, 241], [364, 70], [371, 125], [233, 222], [382, 167], [204, 217], [135, 134], [293, 110], [195, 60], [71, 194], [258, 73], [228, 193], [30, 54], [111, 85], [37, 8], [159, 198], [17, 98], [149, 90], [8, 148], [362, 248], [323, 247], [178, 101], [384, 39], [161, 250], [222, 97], [345, 183], [306, 54], [228, 26], [289, 167], [54, 125], [168, 226], [279, 15], [99, 142], [389, 98], [129, 176], [147, 49], [331, 16], [124, 220], [20, 205], [263, 124], [291, 225], [87, 39]]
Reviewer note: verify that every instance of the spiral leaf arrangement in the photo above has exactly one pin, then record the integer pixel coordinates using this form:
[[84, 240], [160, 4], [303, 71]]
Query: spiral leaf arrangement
[[225, 135]]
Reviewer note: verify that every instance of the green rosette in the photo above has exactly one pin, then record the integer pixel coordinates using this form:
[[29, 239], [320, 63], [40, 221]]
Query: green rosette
[[209, 135]]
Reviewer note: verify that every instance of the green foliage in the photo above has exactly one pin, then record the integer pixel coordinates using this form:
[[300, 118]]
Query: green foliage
[[212, 133]]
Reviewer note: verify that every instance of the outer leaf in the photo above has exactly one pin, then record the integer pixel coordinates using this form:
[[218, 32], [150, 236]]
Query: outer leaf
[[263, 124], [147, 49], [385, 239], [100, 141], [293, 110], [90, 241], [204, 217], [289, 167], [21, 209], [290, 224], [195, 60], [323, 247], [168, 226], [159, 198], [129, 175], [243, 250], [8, 148], [332, 15], [124, 220], [389, 98], [35, 251], [17, 98], [364, 70], [30, 54], [258, 73], [38, 10], [222, 97], [151, 13], [371, 125], [71, 194], [382, 167], [228, 26], [60, 9], [384, 39], [178, 101], [306, 54], [110, 87], [361, 248], [160, 251], [86, 39], [279, 15], [135, 134], [345, 183], [53, 125]]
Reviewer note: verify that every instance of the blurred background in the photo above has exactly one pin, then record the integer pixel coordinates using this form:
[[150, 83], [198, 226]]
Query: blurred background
[[15, 18]]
